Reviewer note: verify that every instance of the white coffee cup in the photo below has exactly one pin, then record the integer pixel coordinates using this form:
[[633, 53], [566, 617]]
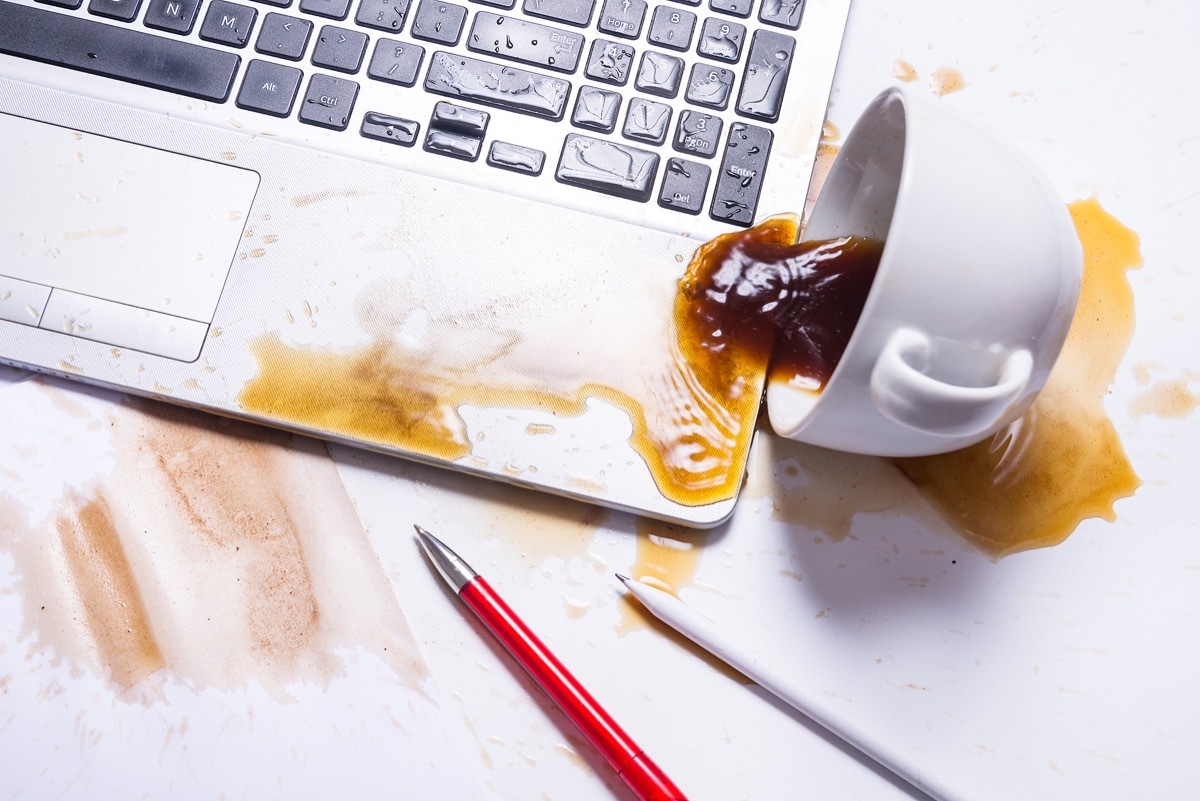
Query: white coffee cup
[[975, 290]]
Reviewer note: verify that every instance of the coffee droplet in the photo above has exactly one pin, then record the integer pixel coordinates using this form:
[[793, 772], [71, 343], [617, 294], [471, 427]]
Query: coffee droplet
[[1032, 483]]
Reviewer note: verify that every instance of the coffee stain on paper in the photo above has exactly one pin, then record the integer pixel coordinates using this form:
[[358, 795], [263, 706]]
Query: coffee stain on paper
[[218, 551]]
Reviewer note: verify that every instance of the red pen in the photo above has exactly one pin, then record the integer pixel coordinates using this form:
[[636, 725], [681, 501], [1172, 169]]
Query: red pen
[[645, 778]]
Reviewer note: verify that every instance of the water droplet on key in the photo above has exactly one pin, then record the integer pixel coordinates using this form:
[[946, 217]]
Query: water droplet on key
[[781, 55]]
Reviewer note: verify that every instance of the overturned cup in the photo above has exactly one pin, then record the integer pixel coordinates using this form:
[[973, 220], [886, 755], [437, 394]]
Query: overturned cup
[[975, 290]]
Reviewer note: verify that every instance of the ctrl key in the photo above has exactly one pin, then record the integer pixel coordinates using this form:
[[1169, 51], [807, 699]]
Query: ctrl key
[[328, 102]]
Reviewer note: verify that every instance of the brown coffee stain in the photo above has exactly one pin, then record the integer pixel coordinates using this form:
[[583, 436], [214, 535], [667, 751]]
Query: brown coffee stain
[[667, 557], [903, 71], [217, 551], [692, 428], [822, 490], [946, 80], [116, 615], [1032, 483], [1168, 398]]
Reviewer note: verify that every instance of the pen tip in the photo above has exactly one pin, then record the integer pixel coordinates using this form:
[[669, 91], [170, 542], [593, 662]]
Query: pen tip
[[420, 530], [624, 579]]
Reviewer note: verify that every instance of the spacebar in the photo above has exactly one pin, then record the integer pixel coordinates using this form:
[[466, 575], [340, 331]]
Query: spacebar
[[120, 53]]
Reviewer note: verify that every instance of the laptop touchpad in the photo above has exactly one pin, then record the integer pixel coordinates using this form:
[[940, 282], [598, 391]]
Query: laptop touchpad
[[113, 241]]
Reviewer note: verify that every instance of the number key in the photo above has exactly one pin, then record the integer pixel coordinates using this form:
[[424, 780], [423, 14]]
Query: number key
[[697, 133], [709, 86], [672, 27], [721, 40]]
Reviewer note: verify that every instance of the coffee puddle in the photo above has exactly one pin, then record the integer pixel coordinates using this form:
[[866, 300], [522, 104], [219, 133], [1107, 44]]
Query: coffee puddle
[[1031, 484], [1028, 486], [219, 551]]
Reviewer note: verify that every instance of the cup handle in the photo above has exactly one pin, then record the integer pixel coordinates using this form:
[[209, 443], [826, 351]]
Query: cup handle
[[903, 392]]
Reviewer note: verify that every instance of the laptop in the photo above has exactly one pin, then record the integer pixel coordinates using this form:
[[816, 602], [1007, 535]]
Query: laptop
[[448, 231]]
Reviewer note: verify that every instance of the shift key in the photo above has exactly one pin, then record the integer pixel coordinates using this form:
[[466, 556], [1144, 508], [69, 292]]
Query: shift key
[[129, 55]]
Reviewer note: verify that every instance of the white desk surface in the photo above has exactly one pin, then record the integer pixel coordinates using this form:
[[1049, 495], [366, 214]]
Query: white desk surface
[[1065, 673]]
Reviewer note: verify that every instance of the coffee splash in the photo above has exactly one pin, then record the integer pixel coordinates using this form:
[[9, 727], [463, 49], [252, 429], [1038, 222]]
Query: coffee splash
[[759, 297], [219, 552], [1031, 484]]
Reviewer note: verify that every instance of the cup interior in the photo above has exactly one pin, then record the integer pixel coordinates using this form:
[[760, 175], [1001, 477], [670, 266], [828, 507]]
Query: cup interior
[[859, 194]]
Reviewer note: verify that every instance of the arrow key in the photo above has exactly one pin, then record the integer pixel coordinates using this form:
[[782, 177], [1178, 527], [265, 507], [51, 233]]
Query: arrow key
[[283, 36]]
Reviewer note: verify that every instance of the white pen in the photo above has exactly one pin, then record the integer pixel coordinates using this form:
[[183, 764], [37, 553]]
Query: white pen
[[708, 635]]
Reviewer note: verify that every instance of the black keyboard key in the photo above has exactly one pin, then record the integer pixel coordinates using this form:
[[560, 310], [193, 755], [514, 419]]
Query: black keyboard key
[[527, 42], [436, 21], [672, 27], [608, 167], [721, 39], [647, 121], [269, 87], [228, 23], [283, 36], [460, 119], [609, 62], [277, 3], [785, 13], [572, 12], [517, 158], [116, 52], [328, 102], [767, 68], [740, 178], [382, 15], [497, 3], [659, 74], [738, 8], [387, 128], [456, 131], [332, 9], [453, 144], [123, 10], [596, 108], [63, 3], [497, 85], [395, 61], [709, 86], [622, 18], [683, 186], [339, 49], [698, 134], [175, 16]]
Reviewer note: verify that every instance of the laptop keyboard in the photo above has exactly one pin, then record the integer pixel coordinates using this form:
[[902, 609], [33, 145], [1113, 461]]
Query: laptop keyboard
[[652, 100]]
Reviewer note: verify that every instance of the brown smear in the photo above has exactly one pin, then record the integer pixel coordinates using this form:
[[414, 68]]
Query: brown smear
[[116, 616], [221, 552], [1032, 483]]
